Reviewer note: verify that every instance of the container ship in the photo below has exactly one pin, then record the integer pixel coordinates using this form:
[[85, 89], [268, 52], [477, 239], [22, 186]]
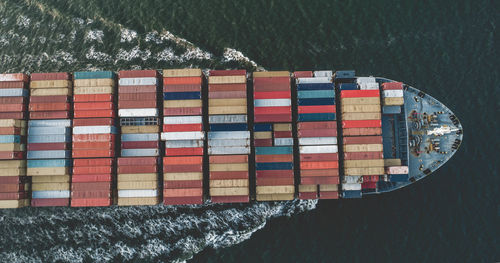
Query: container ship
[[187, 136]]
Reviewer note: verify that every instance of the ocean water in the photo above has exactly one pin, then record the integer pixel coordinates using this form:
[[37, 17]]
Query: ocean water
[[446, 48]]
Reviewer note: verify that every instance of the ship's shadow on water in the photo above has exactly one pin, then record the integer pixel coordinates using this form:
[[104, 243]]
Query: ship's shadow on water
[[149, 233]]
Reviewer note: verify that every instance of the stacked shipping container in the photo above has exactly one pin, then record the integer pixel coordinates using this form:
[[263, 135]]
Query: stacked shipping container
[[140, 127], [229, 137], [94, 134], [14, 184], [273, 138], [317, 134], [49, 138], [184, 136]]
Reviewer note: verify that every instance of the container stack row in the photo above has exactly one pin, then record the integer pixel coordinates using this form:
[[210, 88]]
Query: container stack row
[[94, 134], [362, 140], [140, 130], [392, 97], [184, 137], [273, 138], [14, 184], [317, 135], [228, 136], [49, 138]]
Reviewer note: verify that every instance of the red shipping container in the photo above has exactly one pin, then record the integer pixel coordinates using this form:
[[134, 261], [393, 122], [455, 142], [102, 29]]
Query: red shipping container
[[183, 192], [319, 165], [363, 155], [370, 178], [361, 131], [11, 180], [317, 133], [273, 158], [181, 80], [189, 200], [369, 185], [230, 199], [83, 178], [228, 175], [271, 87], [11, 188], [308, 195], [12, 115], [11, 155], [359, 93], [132, 161], [93, 162], [392, 85], [40, 115], [262, 81], [228, 159], [319, 157], [137, 169], [363, 140], [14, 77], [13, 85], [328, 195], [150, 73], [263, 142], [137, 89], [137, 96], [317, 125], [12, 107], [272, 95], [233, 72], [50, 99], [273, 118], [93, 137], [181, 88], [273, 110], [320, 180], [93, 186], [283, 134], [227, 94], [183, 168], [362, 124], [10, 131], [50, 76], [140, 145], [93, 145], [85, 202], [274, 174], [93, 97], [182, 111], [92, 170], [86, 153], [317, 109], [183, 151], [274, 181], [14, 196], [95, 114], [227, 87], [48, 146], [12, 100], [183, 184], [94, 122], [182, 160], [127, 104], [319, 173], [80, 106], [182, 127], [303, 74], [42, 202], [49, 107]]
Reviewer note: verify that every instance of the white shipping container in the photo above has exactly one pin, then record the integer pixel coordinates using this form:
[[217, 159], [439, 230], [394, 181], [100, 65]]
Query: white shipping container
[[133, 137], [49, 130], [235, 118], [228, 150], [229, 135], [283, 141], [392, 93], [184, 144], [314, 80], [318, 149], [183, 120], [50, 194], [138, 193], [352, 179], [13, 92], [317, 140], [351, 187], [234, 142], [49, 154], [323, 73], [137, 81], [146, 112], [369, 86], [94, 130], [272, 102], [361, 80], [50, 123], [51, 138], [396, 170], [139, 152], [165, 136]]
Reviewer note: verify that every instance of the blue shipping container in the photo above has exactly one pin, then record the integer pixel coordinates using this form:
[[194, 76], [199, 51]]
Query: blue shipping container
[[345, 74], [348, 86], [317, 86], [273, 150], [391, 109], [10, 139], [94, 75], [48, 138], [317, 117], [53, 154], [182, 95], [316, 102], [49, 163], [273, 166], [309, 94], [352, 194], [398, 177], [262, 127], [229, 127]]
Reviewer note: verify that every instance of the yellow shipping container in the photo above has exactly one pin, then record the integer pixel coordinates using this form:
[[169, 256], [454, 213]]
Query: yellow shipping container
[[14, 203], [227, 110], [227, 79], [354, 116], [141, 129], [12, 123], [275, 189], [364, 163], [93, 82], [329, 187], [13, 171], [137, 177], [360, 108], [393, 101], [94, 90], [224, 167], [129, 201], [392, 162], [361, 101], [227, 102], [363, 148], [308, 188], [51, 92], [364, 171], [137, 185], [268, 74], [183, 176], [229, 183], [12, 147], [182, 103], [274, 197], [44, 84], [48, 171], [185, 72], [282, 127], [229, 191], [12, 163], [49, 186], [51, 179], [263, 135]]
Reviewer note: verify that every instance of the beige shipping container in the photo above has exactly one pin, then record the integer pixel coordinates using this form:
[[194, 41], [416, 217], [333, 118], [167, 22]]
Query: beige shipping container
[[229, 183], [182, 103], [137, 185], [14, 203], [93, 90], [364, 171], [44, 84], [227, 79], [49, 186], [392, 162], [355, 116], [51, 92], [308, 188], [227, 110], [12, 123], [133, 201], [225, 167], [270, 74], [274, 197], [363, 148], [275, 189], [282, 127], [137, 177], [12, 147], [12, 164], [393, 101], [186, 72], [361, 101], [360, 108], [263, 135], [141, 129], [227, 102], [13, 171], [48, 171], [364, 163], [328, 187], [51, 179], [228, 191], [93, 82], [183, 176]]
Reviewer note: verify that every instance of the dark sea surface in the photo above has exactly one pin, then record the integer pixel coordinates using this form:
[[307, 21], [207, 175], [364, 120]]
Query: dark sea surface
[[446, 48]]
